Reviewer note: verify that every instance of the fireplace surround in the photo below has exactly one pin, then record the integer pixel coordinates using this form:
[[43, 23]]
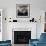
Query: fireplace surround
[[21, 35]]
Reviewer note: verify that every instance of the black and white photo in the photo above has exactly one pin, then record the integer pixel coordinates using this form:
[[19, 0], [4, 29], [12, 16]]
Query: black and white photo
[[22, 11]]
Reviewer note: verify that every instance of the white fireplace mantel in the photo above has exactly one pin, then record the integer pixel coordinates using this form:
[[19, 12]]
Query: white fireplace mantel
[[26, 27], [15, 26], [21, 29]]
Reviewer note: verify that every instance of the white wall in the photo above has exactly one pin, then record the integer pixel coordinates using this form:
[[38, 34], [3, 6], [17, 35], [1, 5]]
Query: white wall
[[4, 24], [35, 3], [40, 26], [1, 25], [10, 11], [8, 26]]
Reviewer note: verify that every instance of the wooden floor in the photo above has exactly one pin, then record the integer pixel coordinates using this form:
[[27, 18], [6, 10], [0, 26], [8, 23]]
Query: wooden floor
[[20, 45]]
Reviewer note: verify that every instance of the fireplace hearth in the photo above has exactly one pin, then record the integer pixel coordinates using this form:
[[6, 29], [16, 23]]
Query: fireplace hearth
[[22, 37]]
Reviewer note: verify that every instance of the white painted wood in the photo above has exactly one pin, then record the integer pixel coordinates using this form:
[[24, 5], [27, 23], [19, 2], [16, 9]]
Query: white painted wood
[[1, 25]]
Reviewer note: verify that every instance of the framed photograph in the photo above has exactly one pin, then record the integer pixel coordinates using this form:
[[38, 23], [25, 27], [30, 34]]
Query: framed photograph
[[22, 10]]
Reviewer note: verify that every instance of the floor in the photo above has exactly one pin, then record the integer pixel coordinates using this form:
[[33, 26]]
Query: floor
[[20, 45]]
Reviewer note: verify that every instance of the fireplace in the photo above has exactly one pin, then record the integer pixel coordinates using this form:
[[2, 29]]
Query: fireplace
[[22, 37]]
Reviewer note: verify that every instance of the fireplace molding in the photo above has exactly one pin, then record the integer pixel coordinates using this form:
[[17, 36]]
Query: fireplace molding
[[24, 27], [21, 29], [18, 29]]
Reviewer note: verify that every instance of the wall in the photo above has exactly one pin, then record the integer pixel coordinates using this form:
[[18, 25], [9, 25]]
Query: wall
[[10, 11], [4, 24], [1, 25], [8, 26]]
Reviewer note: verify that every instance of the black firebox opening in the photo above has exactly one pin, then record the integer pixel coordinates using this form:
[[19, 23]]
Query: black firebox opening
[[22, 37]]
